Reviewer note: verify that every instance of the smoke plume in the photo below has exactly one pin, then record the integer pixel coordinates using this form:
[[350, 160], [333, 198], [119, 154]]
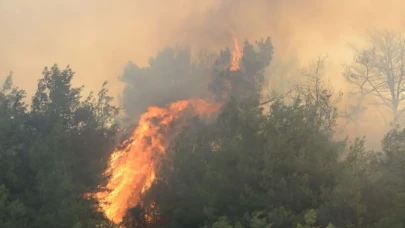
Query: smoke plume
[[98, 38]]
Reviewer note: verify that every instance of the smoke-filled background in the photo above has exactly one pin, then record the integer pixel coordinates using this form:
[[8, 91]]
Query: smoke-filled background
[[98, 38]]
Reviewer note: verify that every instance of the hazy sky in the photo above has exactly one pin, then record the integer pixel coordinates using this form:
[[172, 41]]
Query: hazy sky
[[98, 37]]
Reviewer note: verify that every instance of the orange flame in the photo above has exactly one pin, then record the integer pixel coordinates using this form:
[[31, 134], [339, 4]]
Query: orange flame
[[132, 165], [237, 55]]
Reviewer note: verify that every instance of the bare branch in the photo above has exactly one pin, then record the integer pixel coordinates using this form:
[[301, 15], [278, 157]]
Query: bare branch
[[276, 98], [379, 70]]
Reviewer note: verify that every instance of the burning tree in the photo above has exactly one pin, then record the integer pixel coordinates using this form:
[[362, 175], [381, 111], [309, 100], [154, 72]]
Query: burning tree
[[248, 77], [379, 71], [132, 166], [238, 75]]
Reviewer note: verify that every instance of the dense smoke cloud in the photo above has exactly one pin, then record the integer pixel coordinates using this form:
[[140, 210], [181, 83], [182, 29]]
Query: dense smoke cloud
[[97, 38]]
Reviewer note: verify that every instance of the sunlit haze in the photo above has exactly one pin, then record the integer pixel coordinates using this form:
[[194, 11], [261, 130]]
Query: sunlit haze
[[98, 38]]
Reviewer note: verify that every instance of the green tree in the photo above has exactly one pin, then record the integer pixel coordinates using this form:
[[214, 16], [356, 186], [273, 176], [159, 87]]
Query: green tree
[[13, 171], [69, 144], [174, 74]]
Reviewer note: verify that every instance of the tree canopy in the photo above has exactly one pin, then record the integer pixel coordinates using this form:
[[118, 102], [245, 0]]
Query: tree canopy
[[53, 153], [275, 168], [254, 166]]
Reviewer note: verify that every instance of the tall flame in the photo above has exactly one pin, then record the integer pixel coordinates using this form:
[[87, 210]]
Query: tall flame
[[237, 55], [132, 165]]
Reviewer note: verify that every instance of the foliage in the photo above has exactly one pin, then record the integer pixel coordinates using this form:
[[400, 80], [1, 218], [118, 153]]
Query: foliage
[[281, 168], [53, 154], [246, 83], [251, 167], [174, 74]]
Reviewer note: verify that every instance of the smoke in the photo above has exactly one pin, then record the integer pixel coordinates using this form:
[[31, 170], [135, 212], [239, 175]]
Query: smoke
[[98, 37]]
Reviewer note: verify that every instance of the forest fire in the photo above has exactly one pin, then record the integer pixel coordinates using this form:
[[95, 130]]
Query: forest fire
[[132, 165], [236, 55]]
